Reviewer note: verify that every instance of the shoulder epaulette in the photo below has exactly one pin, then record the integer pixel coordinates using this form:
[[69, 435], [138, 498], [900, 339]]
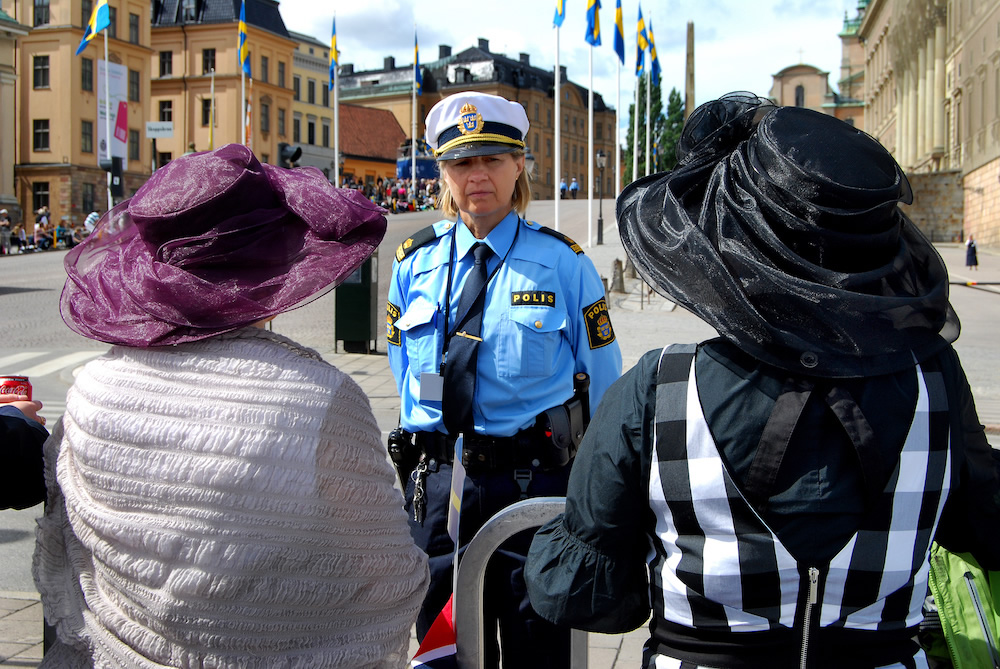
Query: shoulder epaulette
[[558, 235], [419, 238]]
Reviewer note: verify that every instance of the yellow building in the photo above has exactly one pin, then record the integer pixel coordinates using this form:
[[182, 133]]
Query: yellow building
[[10, 32], [192, 39], [56, 125]]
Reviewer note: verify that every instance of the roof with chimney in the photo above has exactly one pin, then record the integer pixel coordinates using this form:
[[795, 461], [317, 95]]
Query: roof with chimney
[[366, 132], [261, 14]]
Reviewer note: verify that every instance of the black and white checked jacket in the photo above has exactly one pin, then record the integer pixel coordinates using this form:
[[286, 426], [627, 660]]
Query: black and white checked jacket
[[720, 575]]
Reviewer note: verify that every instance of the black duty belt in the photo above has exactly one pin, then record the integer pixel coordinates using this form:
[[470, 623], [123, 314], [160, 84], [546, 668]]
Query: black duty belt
[[482, 454]]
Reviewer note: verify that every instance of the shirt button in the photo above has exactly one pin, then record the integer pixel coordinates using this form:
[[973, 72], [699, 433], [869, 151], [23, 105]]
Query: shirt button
[[538, 324]]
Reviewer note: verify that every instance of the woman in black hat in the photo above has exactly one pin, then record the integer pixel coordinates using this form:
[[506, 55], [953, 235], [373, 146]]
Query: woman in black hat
[[784, 481]]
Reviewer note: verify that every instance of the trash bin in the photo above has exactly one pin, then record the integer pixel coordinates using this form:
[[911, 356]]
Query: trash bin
[[357, 310]]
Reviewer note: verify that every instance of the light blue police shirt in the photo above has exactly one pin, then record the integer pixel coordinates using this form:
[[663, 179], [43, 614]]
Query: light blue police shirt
[[545, 319]]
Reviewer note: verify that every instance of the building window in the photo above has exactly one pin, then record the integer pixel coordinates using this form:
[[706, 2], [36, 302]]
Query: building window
[[207, 60], [166, 110], [164, 157], [42, 13], [166, 63], [800, 96], [265, 158], [189, 9], [326, 96], [39, 195], [133, 28], [548, 147], [311, 132], [87, 8], [41, 66], [296, 87], [598, 131], [133, 145], [296, 130], [537, 117], [548, 116], [40, 134], [87, 74], [265, 116], [206, 112], [264, 66], [133, 85], [87, 136], [326, 134], [281, 122], [281, 74], [311, 91], [113, 18], [89, 192]]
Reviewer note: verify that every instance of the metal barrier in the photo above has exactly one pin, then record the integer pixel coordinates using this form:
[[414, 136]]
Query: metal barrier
[[468, 603]]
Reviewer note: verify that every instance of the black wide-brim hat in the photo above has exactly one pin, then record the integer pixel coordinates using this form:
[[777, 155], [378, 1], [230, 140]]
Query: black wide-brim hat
[[780, 228]]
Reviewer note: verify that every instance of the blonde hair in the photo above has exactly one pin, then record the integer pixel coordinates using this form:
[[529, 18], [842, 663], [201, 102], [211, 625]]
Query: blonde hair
[[519, 201]]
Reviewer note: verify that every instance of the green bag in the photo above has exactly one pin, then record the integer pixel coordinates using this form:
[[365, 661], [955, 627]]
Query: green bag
[[965, 597]]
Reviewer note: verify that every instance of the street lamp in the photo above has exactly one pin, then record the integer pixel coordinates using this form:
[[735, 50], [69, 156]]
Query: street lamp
[[602, 160]]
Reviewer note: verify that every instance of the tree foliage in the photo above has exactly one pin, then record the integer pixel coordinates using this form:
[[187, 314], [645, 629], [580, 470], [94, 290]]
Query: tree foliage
[[665, 130]]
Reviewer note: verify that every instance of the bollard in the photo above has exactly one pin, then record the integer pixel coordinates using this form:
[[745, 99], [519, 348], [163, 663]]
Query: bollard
[[617, 277], [630, 269]]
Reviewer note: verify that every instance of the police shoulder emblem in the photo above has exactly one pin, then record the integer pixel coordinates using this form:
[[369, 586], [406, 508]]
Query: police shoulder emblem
[[470, 121], [392, 334], [599, 330]]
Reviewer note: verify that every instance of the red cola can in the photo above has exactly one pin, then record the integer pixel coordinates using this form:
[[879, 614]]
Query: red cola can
[[15, 385]]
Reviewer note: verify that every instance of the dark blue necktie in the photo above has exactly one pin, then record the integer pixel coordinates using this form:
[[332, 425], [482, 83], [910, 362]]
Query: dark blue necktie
[[463, 348]]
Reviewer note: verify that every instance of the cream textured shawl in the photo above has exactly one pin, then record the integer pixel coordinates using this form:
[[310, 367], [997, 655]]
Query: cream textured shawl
[[224, 503]]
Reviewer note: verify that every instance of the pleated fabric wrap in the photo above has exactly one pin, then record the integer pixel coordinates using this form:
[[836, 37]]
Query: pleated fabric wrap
[[223, 503]]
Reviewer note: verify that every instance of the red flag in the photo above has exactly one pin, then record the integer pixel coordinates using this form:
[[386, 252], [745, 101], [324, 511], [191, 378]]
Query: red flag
[[437, 650]]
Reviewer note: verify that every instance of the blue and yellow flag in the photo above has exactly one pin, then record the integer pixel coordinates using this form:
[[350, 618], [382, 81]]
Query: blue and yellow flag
[[418, 78], [560, 16], [641, 43], [654, 61], [333, 53], [244, 53], [619, 32], [593, 23], [100, 19]]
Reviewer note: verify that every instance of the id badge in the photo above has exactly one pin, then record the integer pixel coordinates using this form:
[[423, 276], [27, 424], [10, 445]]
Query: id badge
[[431, 387]]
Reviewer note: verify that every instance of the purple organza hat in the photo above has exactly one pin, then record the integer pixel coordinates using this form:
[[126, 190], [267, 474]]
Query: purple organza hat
[[211, 243]]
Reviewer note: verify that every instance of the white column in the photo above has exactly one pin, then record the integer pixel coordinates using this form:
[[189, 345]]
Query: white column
[[903, 119], [930, 99], [911, 132], [921, 115], [939, 88]]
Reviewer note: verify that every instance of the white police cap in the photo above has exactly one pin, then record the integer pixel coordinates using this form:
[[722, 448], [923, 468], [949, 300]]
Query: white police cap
[[475, 124]]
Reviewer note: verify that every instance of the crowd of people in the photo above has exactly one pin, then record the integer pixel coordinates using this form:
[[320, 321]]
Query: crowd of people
[[396, 195], [44, 235], [217, 494]]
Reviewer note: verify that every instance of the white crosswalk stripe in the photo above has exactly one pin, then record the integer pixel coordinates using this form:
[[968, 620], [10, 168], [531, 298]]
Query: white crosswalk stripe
[[36, 364]]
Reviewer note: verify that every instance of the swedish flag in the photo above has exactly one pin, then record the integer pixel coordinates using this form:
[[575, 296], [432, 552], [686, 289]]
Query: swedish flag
[[333, 53], [641, 32], [418, 78], [244, 53], [593, 23], [619, 32], [100, 19], [654, 61], [560, 16]]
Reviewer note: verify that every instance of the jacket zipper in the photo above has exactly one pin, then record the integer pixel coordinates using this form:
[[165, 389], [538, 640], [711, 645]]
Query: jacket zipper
[[811, 600], [981, 614]]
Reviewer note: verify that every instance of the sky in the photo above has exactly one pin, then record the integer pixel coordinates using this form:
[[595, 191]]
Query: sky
[[738, 44]]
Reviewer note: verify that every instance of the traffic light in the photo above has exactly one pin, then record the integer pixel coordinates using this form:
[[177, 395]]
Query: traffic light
[[288, 154], [115, 167]]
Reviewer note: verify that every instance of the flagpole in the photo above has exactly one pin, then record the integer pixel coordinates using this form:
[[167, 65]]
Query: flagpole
[[336, 123], [413, 122], [635, 131], [618, 134], [107, 114], [211, 116], [590, 153], [649, 121], [558, 161], [243, 98]]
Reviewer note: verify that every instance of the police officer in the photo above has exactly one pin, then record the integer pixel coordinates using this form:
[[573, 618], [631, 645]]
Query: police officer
[[490, 318]]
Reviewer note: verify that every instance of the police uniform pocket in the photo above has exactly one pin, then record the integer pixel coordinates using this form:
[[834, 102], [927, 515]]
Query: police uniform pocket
[[418, 325], [532, 341]]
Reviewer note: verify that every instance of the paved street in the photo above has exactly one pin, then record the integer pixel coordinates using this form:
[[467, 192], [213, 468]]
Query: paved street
[[34, 340]]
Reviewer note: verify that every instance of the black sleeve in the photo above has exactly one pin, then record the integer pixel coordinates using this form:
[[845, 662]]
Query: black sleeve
[[587, 567], [971, 517], [22, 479]]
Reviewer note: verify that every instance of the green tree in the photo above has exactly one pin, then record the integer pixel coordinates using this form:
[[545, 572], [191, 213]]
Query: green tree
[[671, 132], [656, 127]]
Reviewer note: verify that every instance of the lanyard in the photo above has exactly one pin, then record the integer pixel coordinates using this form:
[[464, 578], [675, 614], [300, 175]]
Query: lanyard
[[447, 296]]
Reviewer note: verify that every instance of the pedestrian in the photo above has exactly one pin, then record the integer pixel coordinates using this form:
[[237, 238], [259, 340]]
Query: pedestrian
[[574, 188], [6, 231], [971, 257], [782, 483], [490, 318], [219, 495], [562, 188]]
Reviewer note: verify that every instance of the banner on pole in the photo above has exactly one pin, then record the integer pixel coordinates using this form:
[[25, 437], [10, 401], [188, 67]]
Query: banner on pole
[[117, 87]]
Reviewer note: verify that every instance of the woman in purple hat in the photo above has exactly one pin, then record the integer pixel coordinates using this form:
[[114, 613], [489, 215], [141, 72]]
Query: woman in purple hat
[[218, 495]]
